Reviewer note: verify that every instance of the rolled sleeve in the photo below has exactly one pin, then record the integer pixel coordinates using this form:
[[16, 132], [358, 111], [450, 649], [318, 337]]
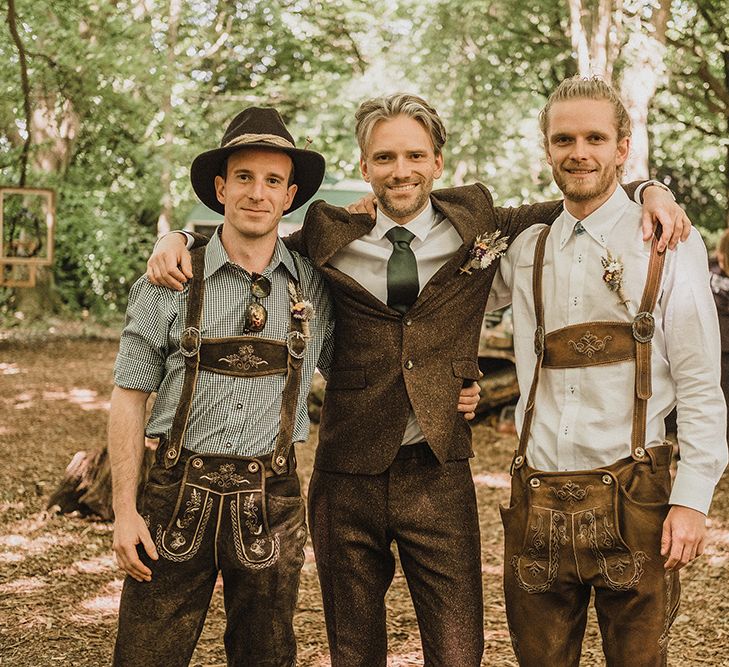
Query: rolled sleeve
[[143, 347]]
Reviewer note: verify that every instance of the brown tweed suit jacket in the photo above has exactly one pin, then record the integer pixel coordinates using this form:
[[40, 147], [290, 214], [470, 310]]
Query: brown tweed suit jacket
[[371, 384], [384, 361]]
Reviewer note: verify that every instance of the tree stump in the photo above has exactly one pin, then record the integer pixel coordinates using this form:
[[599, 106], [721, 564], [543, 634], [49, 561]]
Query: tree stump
[[86, 484]]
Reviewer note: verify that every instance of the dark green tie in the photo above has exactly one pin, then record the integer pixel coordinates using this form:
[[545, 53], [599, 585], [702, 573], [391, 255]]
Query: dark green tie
[[402, 271]]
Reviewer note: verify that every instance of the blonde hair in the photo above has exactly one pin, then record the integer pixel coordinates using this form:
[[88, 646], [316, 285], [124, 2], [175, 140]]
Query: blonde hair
[[590, 88], [370, 112]]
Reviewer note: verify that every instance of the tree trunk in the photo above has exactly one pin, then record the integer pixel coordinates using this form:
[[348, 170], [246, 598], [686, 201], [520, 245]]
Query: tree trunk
[[644, 54], [164, 222]]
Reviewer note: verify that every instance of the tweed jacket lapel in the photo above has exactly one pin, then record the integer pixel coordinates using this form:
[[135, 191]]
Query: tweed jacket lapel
[[466, 225], [334, 231]]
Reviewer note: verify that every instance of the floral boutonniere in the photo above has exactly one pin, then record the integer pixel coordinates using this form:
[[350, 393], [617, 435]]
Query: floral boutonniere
[[613, 277], [486, 248], [301, 309]]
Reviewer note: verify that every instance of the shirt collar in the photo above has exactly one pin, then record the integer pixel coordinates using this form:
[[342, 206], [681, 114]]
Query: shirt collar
[[216, 257], [420, 226], [599, 223]]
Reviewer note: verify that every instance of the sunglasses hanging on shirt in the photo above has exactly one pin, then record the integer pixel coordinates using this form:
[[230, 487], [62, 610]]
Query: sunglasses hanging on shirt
[[256, 314]]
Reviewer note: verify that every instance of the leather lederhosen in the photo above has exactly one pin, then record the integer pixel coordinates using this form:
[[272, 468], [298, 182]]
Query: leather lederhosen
[[240, 482], [600, 527]]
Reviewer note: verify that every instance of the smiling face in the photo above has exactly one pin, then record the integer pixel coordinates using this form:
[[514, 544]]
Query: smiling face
[[255, 193], [584, 152], [400, 164]]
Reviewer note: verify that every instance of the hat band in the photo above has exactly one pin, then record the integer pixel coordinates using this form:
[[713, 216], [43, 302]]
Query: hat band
[[272, 139]]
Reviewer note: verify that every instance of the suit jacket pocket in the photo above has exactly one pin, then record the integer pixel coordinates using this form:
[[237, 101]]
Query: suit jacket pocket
[[347, 378], [466, 369]]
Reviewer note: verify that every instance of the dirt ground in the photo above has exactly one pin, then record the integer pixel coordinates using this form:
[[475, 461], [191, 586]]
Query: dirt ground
[[59, 585]]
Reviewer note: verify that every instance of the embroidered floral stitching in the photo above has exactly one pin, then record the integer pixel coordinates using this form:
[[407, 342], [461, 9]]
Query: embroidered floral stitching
[[589, 344], [244, 360], [225, 476]]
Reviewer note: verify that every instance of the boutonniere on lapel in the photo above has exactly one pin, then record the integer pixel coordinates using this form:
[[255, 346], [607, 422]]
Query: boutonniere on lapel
[[613, 277], [301, 309], [486, 248]]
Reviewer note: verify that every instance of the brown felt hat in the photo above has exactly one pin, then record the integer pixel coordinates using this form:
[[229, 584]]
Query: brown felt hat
[[257, 127]]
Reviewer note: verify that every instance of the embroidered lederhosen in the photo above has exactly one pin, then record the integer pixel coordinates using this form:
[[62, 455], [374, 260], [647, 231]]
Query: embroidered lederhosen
[[231, 487], [587, 508]]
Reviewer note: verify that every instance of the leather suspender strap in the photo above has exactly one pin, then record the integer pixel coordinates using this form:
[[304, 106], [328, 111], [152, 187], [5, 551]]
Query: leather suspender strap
[[643, 327], [519, 456], [190, 342], [643, 330], [296, 342]]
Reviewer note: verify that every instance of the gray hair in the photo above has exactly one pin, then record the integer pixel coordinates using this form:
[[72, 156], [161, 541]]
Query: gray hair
[[370, 112]]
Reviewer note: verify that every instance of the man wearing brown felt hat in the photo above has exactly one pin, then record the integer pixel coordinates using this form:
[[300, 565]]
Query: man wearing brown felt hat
[[231, 359]]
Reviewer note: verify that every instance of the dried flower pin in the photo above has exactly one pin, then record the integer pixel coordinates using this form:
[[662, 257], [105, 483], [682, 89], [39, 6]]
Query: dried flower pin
[[486, 248], [613, 277]]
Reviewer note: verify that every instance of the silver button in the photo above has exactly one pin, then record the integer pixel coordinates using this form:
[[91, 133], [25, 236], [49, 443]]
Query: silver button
[[280, 461], [171, 454], [408, 364], [639, 452], [535, 483], [239, 406], [253, 467], [518, 460], [408, 322], [197, 463], [606, 479]]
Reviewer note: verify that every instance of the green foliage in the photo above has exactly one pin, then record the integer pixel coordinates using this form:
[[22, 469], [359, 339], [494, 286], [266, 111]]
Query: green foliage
[[123, 92]]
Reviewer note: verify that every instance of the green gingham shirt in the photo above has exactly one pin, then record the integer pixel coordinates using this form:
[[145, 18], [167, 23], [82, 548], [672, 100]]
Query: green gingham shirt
[[229, 415]]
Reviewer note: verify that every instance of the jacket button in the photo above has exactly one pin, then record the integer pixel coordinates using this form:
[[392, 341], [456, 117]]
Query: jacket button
[[408, 364], [408, 322]]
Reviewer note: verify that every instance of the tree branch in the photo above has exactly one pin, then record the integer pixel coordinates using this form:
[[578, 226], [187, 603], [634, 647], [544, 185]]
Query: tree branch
[[12, 24]]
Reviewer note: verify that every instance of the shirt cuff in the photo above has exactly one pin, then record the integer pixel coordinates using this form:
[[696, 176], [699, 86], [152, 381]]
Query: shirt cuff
[[130, 373], [692, 490], [189, 240], [638, 194]]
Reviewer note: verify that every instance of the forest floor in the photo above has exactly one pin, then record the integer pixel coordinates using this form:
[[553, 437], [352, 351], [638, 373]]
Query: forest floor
[[60, 586]]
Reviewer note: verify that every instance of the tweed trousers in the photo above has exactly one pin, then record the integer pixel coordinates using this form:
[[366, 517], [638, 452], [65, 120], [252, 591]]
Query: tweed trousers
[[570, 533], [211, 514], [429, 511]]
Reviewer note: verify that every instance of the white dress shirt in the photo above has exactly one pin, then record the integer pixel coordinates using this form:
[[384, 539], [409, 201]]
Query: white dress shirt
[[365, 260], [583, 416]]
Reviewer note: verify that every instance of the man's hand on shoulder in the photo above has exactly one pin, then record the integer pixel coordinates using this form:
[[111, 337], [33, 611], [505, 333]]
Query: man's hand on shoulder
[[684, 534], [129, 531], [170, 265], [660, 207], [366, 205]]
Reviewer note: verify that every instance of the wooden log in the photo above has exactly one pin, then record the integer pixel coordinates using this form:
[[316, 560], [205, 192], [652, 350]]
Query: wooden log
[[86, 484]]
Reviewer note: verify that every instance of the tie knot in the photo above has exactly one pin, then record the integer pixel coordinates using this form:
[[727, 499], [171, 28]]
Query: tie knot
[[399, 235]]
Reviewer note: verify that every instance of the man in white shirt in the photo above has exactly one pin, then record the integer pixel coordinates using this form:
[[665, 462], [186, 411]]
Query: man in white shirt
[[603, 354]]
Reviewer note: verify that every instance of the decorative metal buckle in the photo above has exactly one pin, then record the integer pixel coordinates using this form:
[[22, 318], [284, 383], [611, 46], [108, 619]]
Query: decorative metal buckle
[[190, 342], [539, 341], [296, 339], [650, 323]]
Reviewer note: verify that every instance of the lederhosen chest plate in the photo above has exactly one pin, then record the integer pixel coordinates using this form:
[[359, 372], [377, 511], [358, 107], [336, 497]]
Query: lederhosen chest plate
[[239, 356]]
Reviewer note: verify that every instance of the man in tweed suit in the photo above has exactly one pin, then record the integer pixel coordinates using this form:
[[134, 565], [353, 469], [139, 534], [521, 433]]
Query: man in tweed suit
[[392, 463]]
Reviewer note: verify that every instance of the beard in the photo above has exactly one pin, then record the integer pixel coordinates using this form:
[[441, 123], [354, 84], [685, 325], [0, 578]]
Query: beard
[[396, 210], [579, 190]]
